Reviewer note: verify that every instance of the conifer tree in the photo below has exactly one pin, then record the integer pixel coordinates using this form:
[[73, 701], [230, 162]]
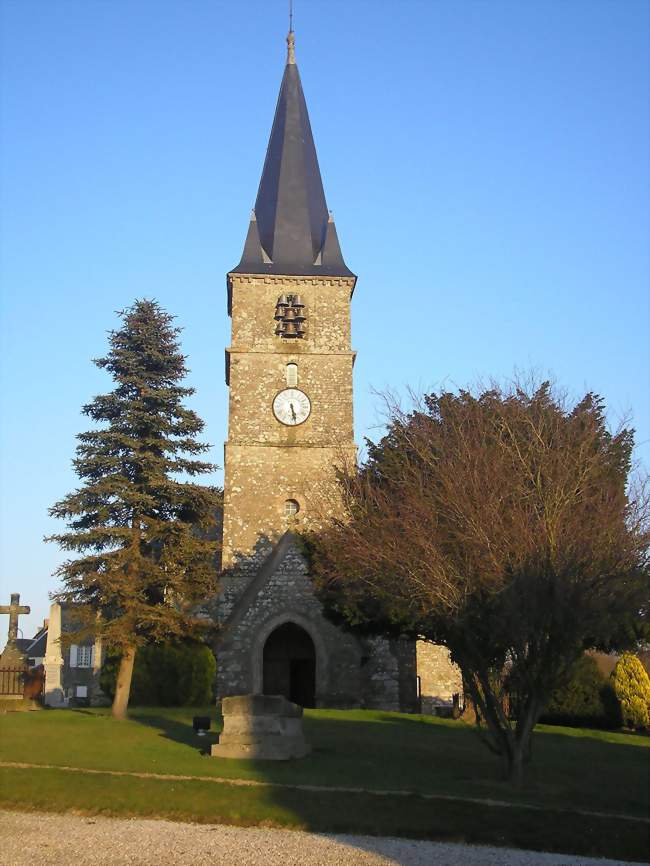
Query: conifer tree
[[632, 687], [146, 558]]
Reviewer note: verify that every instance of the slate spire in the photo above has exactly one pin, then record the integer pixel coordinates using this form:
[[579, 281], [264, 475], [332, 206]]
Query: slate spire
[[291, 231]]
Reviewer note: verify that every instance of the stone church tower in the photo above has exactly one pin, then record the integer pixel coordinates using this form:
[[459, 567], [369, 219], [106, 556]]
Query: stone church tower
[[289, 370]]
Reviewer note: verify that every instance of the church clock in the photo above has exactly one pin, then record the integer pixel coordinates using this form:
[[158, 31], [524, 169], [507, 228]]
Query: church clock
[[291, 407]]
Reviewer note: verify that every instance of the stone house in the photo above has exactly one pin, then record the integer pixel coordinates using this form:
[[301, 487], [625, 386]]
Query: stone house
[[71, 672]]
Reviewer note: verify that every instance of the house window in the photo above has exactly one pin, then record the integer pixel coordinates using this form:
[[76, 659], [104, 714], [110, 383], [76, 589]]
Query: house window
[[81, 691], [291, 508], [292, 375], [81, 656]]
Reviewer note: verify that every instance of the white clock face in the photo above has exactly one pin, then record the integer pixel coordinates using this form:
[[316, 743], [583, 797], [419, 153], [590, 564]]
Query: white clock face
[[291, 407]]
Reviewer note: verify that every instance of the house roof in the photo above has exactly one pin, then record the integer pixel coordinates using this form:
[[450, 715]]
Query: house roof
[[38, 645], [291, 231], [33, 647]]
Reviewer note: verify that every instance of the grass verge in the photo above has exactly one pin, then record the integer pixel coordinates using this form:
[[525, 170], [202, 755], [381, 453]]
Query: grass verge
[[378, 751]]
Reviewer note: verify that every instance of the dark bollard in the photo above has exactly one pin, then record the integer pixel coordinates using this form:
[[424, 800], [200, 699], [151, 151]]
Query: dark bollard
[[201, 724]]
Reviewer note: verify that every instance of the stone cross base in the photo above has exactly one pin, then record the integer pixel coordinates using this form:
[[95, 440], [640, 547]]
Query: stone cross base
[[261, 727], [12, 657]]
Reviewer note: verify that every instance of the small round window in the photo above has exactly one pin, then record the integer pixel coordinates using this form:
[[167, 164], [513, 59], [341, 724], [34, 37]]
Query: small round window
[[291, 508]]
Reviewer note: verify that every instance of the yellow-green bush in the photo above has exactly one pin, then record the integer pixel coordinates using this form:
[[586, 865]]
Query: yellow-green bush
[[632, 687]]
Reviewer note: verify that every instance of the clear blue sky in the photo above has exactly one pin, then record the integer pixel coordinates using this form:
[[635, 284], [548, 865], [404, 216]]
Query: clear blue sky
[[486, 162]]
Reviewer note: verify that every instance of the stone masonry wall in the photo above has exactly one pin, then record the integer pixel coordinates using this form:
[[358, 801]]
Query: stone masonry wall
[[258, 481], [288, 597], [439, 678], [327, 301], [350, 671], [388, 674], [256, 378], [266, 462]]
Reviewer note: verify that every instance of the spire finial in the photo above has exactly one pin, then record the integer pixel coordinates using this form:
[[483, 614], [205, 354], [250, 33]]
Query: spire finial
[[291, 39], [291, 48]]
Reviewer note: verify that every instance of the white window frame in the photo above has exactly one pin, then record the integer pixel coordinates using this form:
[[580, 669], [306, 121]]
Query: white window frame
[[81, 655]]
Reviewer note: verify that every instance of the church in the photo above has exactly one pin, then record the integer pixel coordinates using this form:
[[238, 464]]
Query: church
[[289, 373]]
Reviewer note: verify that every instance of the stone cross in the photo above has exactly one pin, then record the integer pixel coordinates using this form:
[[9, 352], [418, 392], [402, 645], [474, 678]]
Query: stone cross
[[14, 610]]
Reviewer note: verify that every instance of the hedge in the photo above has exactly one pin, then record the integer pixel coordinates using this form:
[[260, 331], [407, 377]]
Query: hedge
[[167, 675], [586, 700]]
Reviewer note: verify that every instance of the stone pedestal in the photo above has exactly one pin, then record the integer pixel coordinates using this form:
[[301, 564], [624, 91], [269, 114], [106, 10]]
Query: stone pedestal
[[53, 662], [261, 727], [13, 670], [11, 657]]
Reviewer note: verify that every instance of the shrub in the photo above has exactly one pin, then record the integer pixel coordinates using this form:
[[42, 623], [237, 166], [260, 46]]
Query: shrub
[[632, 687], [166, 675], [582, 700], [611, 706]]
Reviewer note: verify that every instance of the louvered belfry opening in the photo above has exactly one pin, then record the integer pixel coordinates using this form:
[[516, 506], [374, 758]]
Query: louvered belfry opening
[[290, 317]]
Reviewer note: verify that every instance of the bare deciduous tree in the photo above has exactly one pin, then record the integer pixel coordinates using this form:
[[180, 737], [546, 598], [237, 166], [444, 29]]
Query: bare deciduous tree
[[498, 523]]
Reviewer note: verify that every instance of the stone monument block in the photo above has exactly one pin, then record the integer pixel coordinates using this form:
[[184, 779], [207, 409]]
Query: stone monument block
[[261, 727]]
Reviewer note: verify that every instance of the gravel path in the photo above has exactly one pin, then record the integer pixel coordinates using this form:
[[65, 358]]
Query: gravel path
[[44, 839]]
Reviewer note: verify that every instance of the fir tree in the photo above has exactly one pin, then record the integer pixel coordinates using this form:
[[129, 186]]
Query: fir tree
[[146, 558]]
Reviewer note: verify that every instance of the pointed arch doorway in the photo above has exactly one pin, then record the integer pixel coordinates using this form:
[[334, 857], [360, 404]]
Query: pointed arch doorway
[[289, 665]]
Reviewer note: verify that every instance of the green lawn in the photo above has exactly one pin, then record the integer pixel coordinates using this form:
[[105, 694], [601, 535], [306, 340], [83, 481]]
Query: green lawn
[[572, 769]]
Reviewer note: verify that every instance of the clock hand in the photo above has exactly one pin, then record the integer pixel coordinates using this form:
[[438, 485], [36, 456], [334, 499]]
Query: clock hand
[[293, 411]]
